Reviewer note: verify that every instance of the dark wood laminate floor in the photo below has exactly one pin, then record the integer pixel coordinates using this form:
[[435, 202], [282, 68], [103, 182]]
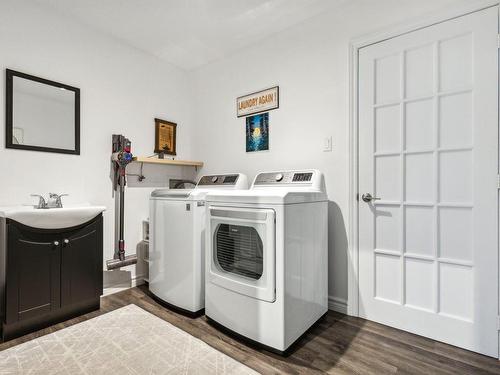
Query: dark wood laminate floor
[[338, 344]]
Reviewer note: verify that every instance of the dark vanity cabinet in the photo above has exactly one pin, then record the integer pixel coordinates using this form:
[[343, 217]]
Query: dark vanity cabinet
[[49, 275]]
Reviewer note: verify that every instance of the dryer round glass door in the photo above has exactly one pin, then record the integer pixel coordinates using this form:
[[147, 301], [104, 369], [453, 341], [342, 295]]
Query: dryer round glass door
[[239, 249]]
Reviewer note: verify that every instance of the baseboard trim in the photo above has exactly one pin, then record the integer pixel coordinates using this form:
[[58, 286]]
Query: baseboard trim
[[138, 280], [337, 304], [334, 303], [112, 288]]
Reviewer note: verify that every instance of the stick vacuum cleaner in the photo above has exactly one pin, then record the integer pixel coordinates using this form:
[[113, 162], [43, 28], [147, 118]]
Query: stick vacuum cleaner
[[120, 158]]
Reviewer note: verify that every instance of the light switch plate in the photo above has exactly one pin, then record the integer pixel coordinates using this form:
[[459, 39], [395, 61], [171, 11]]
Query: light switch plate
[[327, 144]]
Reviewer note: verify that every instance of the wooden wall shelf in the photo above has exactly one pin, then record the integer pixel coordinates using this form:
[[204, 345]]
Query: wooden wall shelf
[[155, 160]]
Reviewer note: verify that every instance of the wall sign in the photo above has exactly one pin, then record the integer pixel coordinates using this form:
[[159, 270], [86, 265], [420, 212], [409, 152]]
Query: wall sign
[[261, 101]]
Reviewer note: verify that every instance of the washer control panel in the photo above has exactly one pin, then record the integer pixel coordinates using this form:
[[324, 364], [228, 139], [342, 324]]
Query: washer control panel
[[283, 178], [223, 179]]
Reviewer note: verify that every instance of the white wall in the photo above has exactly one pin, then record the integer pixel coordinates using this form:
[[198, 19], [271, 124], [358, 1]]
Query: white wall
[[310, 63], [122, 90]]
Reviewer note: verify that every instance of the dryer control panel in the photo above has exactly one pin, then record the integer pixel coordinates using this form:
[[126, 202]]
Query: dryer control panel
[[223, 179], [284, 178]]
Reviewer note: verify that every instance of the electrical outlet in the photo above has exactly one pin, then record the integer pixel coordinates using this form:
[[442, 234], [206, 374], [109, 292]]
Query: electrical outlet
[[327, 144]]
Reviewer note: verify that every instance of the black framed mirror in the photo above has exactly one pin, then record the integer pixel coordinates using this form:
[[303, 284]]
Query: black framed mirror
[[41, 115]]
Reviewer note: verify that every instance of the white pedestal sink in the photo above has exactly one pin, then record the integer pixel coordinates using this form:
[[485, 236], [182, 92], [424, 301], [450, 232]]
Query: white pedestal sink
[[51, 218]]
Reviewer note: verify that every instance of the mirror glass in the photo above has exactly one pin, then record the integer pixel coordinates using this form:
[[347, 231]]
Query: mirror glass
[[42, 115]]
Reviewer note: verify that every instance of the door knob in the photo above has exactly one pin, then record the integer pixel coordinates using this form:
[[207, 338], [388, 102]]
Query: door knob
[[367, 197]]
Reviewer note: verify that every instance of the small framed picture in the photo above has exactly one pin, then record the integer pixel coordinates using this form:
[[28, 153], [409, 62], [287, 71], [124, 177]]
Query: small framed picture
[[257, 132], [165, 137]]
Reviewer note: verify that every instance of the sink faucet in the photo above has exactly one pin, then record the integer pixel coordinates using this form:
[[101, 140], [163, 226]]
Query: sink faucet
[[41, 201], [55, 200]]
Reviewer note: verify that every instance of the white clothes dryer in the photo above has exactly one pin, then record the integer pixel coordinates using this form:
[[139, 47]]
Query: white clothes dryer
[[267, 257], [177, 239]]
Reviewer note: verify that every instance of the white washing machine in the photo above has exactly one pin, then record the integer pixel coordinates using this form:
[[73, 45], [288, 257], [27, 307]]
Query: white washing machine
[[177, 239], [267, 257]]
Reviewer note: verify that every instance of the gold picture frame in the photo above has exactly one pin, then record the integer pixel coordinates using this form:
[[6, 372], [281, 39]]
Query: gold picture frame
[[165, 137]]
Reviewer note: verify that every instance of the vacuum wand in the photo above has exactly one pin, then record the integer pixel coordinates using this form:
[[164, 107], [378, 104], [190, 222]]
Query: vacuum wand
[[120, 158], [114, 264]]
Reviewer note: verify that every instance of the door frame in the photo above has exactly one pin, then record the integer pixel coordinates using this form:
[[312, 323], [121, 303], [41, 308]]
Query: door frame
[[354, 48]]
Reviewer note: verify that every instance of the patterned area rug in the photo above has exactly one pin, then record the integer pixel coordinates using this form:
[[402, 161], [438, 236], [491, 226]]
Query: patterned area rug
[[125, 341]]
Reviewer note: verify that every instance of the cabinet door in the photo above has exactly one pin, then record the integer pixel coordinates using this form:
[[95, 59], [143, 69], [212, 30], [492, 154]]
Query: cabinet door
[[33, 274], [81, 267]]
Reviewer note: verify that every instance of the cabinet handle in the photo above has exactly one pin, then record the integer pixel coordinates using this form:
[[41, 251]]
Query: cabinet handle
[[66, 241], [55, 243]]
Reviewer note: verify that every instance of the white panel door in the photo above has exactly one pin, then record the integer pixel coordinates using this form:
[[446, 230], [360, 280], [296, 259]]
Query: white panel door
[[428, 148]]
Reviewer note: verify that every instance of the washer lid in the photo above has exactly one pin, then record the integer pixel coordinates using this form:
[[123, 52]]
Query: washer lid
[[171, 193], [206, 183]]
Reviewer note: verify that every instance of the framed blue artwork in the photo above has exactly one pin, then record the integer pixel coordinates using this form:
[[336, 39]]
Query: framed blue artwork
[[257, 131]]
